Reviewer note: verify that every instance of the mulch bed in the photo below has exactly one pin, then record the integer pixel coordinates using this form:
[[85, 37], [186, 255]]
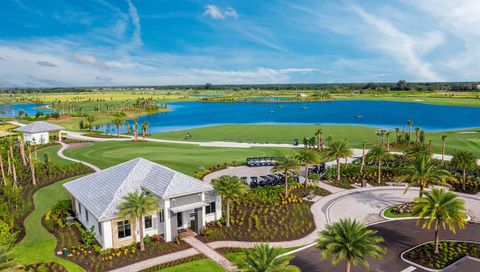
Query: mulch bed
[[69, 237], [174, 263], [45, 267], [449, 252]]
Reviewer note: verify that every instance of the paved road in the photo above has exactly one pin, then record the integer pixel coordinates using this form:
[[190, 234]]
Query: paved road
[[399, 236]]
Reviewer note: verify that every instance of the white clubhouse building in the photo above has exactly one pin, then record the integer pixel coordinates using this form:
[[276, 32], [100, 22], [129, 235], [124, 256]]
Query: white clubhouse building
[[39, 132], [184, 202]]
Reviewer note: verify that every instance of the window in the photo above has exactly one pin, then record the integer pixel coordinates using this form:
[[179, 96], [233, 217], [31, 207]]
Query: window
[[99, 226], [161, 216], [79, 208], [210, 208], [86, 215], [124, 229], [148, 222]]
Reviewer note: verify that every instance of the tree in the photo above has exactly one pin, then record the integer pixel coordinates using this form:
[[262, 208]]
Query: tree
[[319, 135], [21, 146], [118, 121], [263, 258], [464, 160], [135, 206], [419, 149], [337, 150], [228, 187], [402, 85], [135, 130], [423, 171], [441, 208], [378, 154], [32, 165], [417, 134], [444, 145], [307, 156], [410, 124], [351, 241], [90, 119], [285, 165], [145, 125]]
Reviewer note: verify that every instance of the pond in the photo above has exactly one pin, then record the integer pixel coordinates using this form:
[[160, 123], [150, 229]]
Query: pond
[[29, 109], [184, 115]]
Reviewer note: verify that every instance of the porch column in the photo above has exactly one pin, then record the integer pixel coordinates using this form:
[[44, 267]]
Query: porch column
[[167, 228], [174, 225], [201, 214], [218, 207]]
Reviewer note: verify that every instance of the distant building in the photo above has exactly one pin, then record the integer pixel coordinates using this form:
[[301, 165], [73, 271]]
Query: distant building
[[39, 132], [302, 95], [183, 202]]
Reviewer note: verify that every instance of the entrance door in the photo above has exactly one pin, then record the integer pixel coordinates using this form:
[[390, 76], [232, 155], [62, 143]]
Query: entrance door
[[179, 221], [193, 221]]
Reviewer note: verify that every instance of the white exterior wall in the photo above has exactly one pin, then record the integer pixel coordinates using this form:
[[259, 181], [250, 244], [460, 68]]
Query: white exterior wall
[[92, 221], [36, 138], [107, 234]]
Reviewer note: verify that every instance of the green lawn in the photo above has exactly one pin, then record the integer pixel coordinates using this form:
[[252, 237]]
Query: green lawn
[[202, 265], [38, 244], [52, 152], [181, 157], [469, 139], [470, 100], [389, 213]]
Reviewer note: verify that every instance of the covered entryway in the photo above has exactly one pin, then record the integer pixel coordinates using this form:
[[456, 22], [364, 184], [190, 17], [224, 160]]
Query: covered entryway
[[189, 219]]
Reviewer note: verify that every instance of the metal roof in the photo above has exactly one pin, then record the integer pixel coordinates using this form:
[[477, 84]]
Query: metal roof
[[39, 126], [103, 191], [189, 207]]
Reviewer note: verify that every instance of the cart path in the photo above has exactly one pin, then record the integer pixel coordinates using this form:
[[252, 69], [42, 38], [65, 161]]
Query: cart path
[[63, 156]]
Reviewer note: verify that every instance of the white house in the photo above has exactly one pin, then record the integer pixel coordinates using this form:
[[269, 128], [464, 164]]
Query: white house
[[39, 132], [184, 202]]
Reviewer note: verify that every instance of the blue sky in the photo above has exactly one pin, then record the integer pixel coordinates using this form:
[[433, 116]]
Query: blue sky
[[163, 42]]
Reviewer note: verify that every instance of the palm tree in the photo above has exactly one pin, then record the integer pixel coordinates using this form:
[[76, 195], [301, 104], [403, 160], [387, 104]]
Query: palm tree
[[263, 258], [397, 135], [362, 165], [351, 241], [22, 148], [441, 208], [419, 149], [387, 134], [417, 134], [337, 150], [444, 144], [464, 160], [319, 135], [135, 130], [32, 165], [378, 154], [285, 165], [90, 119], [228, 187], [135, 206], [410, 124], [2, 167], [307, 156], [144, 129], [423, 171], [118, 121]]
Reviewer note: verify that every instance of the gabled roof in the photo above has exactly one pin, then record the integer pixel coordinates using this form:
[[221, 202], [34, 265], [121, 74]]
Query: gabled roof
[[39, 126], [103, 191]]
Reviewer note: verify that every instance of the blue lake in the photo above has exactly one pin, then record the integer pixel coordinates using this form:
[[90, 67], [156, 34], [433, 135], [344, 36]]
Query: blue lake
[[30, 109], [184, 115]]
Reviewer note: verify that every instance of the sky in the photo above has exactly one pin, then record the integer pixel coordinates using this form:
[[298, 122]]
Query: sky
[[175, 42]]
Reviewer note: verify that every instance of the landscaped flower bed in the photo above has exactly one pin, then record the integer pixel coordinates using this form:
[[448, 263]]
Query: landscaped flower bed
[[92, 258], [174, 263], [264, 215], [399, 211], [449, 252]]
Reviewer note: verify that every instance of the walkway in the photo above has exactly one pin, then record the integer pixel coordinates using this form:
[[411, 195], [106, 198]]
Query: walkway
[[61, 155], [210, 253]]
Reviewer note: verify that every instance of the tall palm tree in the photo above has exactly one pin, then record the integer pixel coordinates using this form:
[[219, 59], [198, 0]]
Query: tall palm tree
[[378, 154], [319, 135], [417, 134], [337, 150], [2, 167], [144, 129], [135, 206], [21, 146], [441, 208], [118, 121], [285, 165], [307, 156], [444, 145], [419, 149], [135, 130], [387, 135], [423, 171], [351, 241], [362, 165], [228, 187], [410, 124], [32, 165], [464, 160], [90, 119], [264, 258], [397, 134]]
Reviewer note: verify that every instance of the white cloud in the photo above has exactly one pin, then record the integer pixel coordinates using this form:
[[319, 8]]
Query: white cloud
[[137, 33], [216, 13]]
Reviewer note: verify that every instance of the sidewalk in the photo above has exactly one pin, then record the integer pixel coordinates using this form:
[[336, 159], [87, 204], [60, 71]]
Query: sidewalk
[[210, 253]]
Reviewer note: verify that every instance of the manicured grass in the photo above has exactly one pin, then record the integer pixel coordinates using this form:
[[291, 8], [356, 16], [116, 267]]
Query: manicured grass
[[456, 140], [6, 129], [181, 157], [202, 265], [391, 214], [52, 152], [459, 99], [38, 245], [235, 257]]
